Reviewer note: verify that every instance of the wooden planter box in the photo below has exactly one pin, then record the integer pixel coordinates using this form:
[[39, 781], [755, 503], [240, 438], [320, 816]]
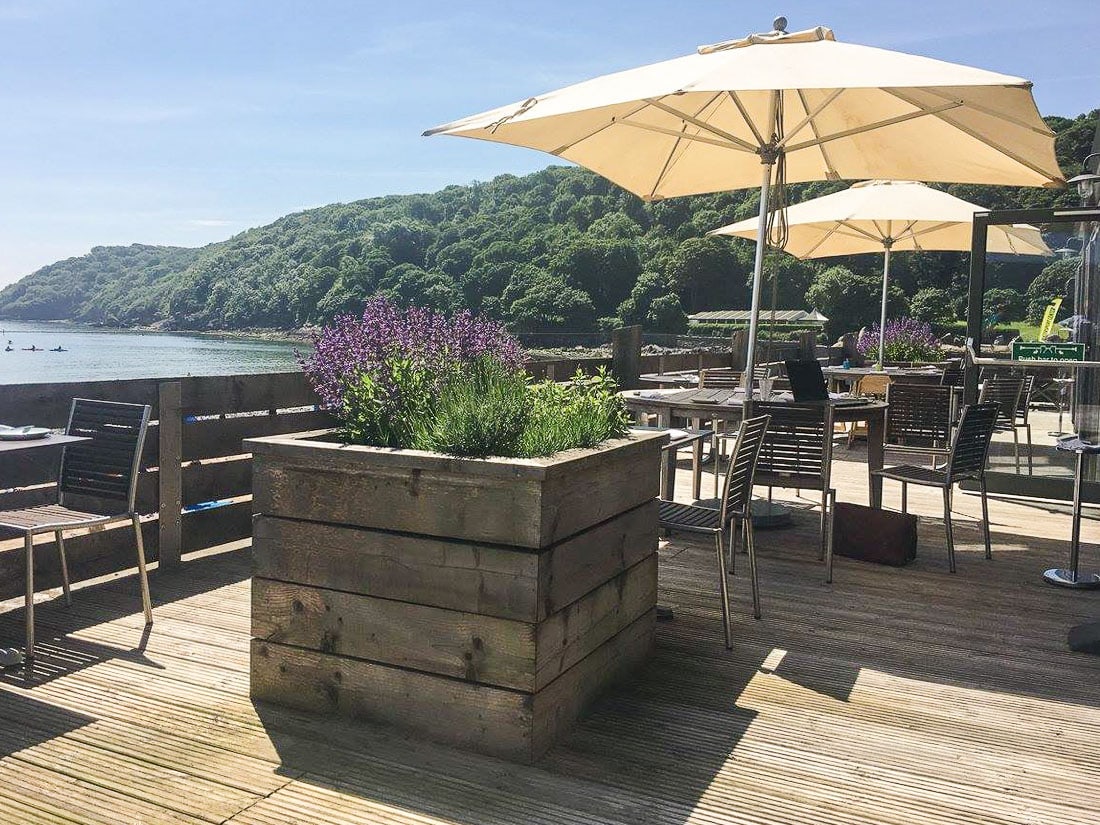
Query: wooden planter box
[[482, 603]]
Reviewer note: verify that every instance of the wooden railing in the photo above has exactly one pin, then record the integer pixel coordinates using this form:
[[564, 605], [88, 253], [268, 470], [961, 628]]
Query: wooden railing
[[195, 486]]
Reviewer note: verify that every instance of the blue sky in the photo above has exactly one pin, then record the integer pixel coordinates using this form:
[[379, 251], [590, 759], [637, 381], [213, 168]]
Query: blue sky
[[187, 121]]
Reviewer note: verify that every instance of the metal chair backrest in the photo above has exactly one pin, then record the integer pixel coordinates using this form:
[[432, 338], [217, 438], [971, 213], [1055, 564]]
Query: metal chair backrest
[[719, 378], [1024, 404], [1006, 393], [952, 376], [798, 445], [737, 490], [970, 446], [919, 415], [107, 466]]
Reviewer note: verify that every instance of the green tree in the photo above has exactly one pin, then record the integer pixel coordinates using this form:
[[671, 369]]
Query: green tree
[[852, 301], [1055, 281], [932, 305]]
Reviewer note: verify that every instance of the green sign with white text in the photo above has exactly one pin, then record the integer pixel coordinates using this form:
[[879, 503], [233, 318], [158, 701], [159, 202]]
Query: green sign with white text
[[1040, 351]]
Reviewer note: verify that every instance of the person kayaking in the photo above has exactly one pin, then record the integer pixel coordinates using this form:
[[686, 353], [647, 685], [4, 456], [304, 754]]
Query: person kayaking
[[32, 348], [59, 348], [9, 347]]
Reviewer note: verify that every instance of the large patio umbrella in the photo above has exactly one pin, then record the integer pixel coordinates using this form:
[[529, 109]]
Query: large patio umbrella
[[801, 104], [884, 216]]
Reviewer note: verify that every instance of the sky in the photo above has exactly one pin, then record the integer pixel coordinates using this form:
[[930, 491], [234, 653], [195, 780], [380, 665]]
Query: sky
[[187, 121]]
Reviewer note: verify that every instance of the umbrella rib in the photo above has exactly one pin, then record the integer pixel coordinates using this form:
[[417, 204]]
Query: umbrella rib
[[597, 130], [877, 125], [830, 170], [833, 230], [938, 112], [702, 124], [745, 115], [1045, 132], [677, 152], [862, 232], [809, 115], [648, 127]]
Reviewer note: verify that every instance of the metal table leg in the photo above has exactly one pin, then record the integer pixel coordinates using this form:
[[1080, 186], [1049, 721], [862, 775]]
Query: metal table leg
[[1071, 577]]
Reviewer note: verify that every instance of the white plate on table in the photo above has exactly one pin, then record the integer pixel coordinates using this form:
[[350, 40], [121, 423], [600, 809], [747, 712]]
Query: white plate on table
[[22, 433]]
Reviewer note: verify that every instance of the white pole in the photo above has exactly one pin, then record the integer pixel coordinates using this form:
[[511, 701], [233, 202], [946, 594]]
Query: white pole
[[882, 320], [757, 281]]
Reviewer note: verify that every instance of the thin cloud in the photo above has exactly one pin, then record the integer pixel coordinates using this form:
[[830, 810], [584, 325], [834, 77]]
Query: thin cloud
[[206, 223]]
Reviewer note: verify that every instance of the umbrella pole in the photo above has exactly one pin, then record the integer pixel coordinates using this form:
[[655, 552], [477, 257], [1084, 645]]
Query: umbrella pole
[[882, 319], [757, 278]]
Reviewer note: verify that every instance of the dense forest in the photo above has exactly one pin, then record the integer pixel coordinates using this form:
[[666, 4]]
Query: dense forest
[[561, 249]]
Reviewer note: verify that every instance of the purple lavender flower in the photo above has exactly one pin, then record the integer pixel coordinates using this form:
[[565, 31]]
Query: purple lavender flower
[[354, 346], [906, 339]]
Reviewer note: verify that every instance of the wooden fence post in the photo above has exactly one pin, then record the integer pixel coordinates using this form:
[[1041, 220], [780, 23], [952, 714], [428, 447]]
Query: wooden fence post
[[626, 356], [739, 347], [171, 473]]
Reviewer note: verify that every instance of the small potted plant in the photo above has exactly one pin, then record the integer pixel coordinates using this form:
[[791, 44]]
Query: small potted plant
[[470, 556], [907, 341]]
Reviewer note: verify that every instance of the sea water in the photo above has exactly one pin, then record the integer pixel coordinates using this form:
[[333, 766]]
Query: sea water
[[94, 354]]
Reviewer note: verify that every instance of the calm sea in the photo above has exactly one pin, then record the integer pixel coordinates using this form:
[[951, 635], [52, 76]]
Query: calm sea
[[99, 354]]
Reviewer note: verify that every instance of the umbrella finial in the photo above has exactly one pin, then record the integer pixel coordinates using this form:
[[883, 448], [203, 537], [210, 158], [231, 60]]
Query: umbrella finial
[[780, 24]]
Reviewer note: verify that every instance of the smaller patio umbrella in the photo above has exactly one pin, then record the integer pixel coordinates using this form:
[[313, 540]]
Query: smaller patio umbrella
[[885, 215]]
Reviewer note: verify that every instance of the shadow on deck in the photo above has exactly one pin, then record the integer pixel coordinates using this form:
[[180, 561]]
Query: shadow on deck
[[892, 696]]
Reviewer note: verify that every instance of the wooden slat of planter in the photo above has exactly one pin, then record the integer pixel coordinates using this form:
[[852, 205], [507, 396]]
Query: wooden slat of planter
[[464, 646], [484, 649], [217, 437], [576, 497], [572, 568], [439, 572], [569, 635], [563, 701], [488, 719], [522, 502]]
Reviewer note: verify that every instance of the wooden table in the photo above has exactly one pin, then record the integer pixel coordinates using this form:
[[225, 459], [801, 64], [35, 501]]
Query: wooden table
[[720, 403], [839, 377], [671, 379], [677, 441]]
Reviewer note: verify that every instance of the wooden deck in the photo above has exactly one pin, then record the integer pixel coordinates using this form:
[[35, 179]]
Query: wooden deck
[[892, 696]]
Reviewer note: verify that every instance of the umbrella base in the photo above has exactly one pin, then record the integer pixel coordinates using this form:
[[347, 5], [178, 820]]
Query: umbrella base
[[1075, 581]]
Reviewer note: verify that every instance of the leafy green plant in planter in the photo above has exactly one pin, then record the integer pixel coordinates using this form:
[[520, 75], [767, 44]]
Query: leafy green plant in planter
[[416, 379]]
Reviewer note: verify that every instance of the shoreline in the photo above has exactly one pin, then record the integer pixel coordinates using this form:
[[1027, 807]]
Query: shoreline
[[289, 336]]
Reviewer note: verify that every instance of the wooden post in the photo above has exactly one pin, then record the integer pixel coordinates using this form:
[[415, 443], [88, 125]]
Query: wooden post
[[626, 356], [740, 346], [171, 473], [807, 345]]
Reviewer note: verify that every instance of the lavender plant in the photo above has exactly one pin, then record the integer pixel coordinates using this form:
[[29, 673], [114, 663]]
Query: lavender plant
[[906, 339], [413, 378]]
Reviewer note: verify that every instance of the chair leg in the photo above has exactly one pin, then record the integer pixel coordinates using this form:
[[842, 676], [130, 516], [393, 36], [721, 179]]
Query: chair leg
[[755, 581], [985, 519], [60, 540], [1016, 448], [829, 539], [824, 519], [947, 525], [731, 565], [904, 497], [723, 587], [1030, 452], [28, 542], [146, 602]]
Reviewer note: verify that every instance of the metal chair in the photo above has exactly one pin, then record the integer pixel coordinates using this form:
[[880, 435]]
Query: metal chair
[[100, 476], [966, 460], [798, 453], [1005, 391], [918, 419], [735, 507], [872, 385]]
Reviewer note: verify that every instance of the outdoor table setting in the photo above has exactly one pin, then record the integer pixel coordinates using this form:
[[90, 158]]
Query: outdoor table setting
[[728, 404], [838, 376], [678, 439]]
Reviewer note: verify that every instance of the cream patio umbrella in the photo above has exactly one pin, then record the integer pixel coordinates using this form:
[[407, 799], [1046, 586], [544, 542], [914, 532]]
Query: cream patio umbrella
[[889, 216], [802, 104]]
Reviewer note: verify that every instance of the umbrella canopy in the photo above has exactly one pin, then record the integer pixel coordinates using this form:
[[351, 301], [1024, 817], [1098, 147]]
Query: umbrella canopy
[[905, 215], [836, 110], [817, 108], [889, 216]]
